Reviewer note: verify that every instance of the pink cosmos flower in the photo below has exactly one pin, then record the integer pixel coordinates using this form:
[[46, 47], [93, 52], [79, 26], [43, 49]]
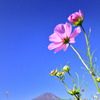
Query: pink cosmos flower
[[76, 18], [62, 37]]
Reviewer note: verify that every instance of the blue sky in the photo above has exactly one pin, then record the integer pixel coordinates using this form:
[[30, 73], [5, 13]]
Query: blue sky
[[25, 61]]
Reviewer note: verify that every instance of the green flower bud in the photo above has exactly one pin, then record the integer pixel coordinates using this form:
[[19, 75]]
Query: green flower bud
[[66, 68], [53, 72], [73, 92], [98, 79], [60, 74]]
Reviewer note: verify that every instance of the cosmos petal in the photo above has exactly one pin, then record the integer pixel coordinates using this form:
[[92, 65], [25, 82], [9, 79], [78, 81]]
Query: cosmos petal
[[55, 38], [75, 33], [54, 45], [59, 29], [68, 29], [59, 48], [80, 13], [65, 47], [72, 40]]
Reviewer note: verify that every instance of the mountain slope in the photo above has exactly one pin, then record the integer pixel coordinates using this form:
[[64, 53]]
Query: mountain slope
[[47, 96]]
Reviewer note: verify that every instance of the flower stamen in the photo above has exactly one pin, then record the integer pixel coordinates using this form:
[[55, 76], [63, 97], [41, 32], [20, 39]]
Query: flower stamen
[[66, 40]]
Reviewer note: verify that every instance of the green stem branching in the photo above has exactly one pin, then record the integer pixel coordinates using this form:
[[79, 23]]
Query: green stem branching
[[90, 58]]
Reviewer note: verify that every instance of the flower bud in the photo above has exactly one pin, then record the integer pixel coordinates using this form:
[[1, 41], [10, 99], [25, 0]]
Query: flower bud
[[98, 79], [76, 18], [60, 74], [53, 72], [66, 68], [73, 92]]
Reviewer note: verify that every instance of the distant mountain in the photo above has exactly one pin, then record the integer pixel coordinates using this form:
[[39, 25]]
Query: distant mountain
[[47, 96]]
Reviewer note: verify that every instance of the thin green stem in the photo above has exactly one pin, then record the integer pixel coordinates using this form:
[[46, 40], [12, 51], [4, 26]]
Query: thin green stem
[[72, 80], [88, 48], [90, 58], [77, 97], [65, 85], [68, 89], [96, 83], [80, 57]]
